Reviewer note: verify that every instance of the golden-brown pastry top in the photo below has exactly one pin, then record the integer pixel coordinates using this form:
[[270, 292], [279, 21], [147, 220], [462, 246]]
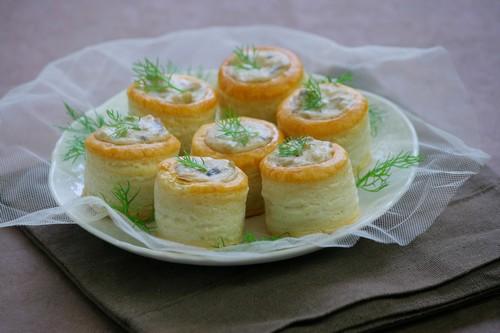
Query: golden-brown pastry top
[[293, 124], [160, 107], [243, 159], [137, 151], [306, 173], [169, 177], [277, 86]]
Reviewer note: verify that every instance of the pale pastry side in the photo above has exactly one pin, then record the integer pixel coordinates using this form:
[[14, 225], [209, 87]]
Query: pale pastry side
[[182, 109], [357, 141], [128, 160], [308, 190], [254, 81], [245, 141], [200, 202]]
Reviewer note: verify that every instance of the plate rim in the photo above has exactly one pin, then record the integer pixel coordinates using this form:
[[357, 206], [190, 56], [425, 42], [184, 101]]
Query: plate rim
[[259, 258]]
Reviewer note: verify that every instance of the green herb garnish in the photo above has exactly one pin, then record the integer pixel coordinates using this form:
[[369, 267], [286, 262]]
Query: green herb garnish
[[293, 146], [151, 76], [248, 237], [121, 124], [246, 57], [189, 162], [84, 126], [344, 78], [75, 149], [125, 198], [231, 127], [377, 178], [312, 98]]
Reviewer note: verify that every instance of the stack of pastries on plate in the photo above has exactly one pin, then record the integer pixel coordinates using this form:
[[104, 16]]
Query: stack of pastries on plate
[[266, 139]]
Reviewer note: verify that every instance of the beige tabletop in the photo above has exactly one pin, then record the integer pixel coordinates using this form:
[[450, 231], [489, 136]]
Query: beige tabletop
[[35, 296]]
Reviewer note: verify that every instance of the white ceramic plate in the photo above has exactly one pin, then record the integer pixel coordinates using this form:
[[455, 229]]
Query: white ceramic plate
[[395, 133]]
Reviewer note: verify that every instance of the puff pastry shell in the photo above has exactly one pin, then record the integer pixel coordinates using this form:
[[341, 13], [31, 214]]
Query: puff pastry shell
[[259, 99], [206, 214], [309, 199]]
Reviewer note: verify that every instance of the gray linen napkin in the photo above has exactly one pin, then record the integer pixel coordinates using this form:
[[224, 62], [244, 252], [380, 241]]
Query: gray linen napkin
[[371, 285]]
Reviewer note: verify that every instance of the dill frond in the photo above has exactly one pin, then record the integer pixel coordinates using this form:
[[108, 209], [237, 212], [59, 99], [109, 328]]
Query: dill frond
[[377, 178], [312, 98], [248, 237], [293, 146], [121, 124], [75, 149], [246, 57], [151, 76], [231, 127], [125, 198], [189, 162], [344, 78], [84, 126]]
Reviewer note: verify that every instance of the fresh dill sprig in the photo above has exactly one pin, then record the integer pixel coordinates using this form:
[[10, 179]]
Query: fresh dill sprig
[[230, 126], [247, 57], [123, 195], [375, 115], [85, 125], [75, 149], [151, 76], [248, 237], [344, 78], [377, 178], [189, 162], [121, 124], [312, 98], [293, 146]]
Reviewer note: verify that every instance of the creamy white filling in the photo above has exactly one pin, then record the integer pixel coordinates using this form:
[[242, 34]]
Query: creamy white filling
[[149, 130], [314, 152], [257, 135], [222, 171], [335, 99], [189, 91], [270, 64]]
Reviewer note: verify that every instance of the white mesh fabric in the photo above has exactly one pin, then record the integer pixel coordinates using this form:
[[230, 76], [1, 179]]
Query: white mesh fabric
[[87, 78]]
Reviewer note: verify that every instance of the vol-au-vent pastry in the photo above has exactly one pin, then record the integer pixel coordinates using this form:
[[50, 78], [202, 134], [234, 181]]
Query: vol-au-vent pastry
[[254, 80], [200, 201], [127, 153], [182, 102], [245, 141], [308, 187], [331, 112]]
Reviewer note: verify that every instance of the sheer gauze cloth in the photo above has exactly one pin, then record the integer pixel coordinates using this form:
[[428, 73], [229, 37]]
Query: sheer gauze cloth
[[423, 82]]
